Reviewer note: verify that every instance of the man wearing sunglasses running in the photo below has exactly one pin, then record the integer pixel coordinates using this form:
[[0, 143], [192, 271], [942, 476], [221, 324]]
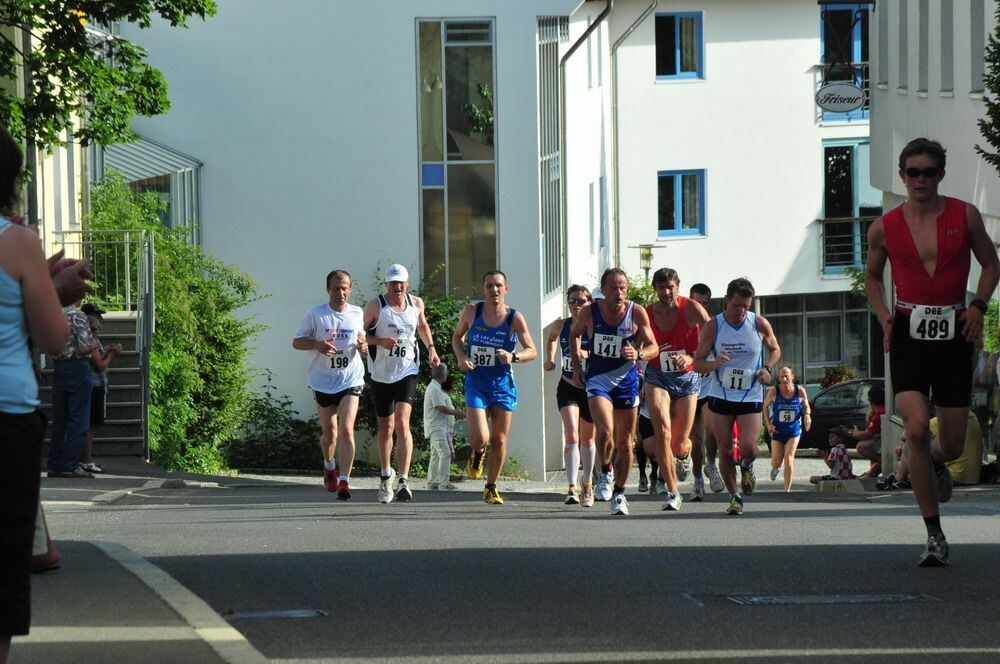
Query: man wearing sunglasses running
[[929, 332]]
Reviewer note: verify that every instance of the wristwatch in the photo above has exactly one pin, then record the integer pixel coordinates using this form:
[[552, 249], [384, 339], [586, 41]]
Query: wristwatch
[[513, 358], [980, 304]]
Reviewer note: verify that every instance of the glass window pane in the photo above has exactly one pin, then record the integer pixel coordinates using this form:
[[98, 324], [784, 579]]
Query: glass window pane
[[471, 225], [468, 31], [838, 200], [788, 330], [838, 243], [781, 304], [690, 201], [469, 94], [667, 204], [852, 301], [433, 231], [838, 44], [841, 395], [666, 46], [823, 339], [431, 143], [689, 44], [856, 342], [823, 302]]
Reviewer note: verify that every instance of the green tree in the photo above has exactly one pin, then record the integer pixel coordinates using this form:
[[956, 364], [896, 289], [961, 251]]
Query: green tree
[[73, 70], [200, 372], [989, 126]]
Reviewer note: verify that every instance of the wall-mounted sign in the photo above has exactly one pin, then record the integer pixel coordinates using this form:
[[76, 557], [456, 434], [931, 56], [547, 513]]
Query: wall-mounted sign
[[840, 97]]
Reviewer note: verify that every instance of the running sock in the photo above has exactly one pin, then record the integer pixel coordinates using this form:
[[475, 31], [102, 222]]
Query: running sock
[[343, 478], [587, 458], [933, 524], [571, 457], [491, 486], [617, 490], [605, 467], [386, 472], [329, 465]]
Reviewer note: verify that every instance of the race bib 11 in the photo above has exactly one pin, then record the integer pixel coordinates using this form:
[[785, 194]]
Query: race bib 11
[[668, 360], [737, 379]]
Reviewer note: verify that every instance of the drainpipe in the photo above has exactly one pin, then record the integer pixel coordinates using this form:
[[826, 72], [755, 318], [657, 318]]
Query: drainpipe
[[564, 249], [30, 151], [614, 128]]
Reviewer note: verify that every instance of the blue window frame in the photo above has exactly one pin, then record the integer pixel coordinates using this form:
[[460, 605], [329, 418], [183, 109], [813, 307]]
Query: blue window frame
[[681, 203], [844, 57], [680, 51]]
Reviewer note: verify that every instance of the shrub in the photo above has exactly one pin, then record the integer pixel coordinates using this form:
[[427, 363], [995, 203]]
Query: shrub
[[199, 369], [836, 375]]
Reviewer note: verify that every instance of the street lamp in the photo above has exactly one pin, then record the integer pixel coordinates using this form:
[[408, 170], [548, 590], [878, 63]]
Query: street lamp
[[645, 258]]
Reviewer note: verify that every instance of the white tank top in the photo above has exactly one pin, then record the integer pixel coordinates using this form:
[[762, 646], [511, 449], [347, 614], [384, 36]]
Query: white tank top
[[736, 380], [390, 366], [346, 369]]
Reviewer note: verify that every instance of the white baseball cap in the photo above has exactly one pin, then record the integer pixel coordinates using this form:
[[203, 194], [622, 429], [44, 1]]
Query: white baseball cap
[[396, 272], [596, 293]]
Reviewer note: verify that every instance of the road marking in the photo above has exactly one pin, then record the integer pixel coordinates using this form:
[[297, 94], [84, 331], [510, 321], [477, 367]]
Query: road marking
[[293, 613], [223, 638], [654, 655], [801, 600], [98, 634]]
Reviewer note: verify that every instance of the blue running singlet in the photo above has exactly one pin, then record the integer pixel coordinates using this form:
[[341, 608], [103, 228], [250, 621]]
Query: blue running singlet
[[490, 383]]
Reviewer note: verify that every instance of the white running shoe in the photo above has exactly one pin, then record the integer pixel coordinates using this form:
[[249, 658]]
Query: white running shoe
[[619, 505], [661, 488], [699, 490], [673, 502], [602, 492], [774, 473], [683, 467], [385, 494], [714, 478]]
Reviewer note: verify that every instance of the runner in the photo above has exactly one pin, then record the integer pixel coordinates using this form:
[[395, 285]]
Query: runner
[[929, 334], [788, 415], [703, 447], [493, 330], [620, 334], [333, 334], [671, 385], [571, 397], [738, 338], [393, 322]]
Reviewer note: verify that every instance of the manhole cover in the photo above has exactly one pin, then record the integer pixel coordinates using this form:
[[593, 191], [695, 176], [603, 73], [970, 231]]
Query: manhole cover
[[799, 600]]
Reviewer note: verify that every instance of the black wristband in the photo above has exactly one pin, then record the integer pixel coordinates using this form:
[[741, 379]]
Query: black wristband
[[980, 304], [768, 368], [513, 358]]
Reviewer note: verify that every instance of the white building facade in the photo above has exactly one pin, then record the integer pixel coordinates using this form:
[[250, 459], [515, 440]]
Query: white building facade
[[352, 135]]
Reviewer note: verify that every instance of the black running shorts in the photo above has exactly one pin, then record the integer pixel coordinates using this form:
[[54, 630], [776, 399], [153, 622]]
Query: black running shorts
[[723, 407], [569, 395], [940, 370], [387, 395], [333, 400], [645, 427]]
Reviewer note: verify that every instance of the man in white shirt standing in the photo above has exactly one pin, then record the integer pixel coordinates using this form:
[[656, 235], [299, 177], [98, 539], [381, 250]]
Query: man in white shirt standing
[[439, 427], [333, 335]]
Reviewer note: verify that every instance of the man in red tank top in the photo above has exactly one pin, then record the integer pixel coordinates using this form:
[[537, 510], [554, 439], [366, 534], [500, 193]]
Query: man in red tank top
[[929, 332], [671, 384]]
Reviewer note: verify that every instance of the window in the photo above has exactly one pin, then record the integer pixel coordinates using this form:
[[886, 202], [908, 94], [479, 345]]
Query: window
[[902, 43], [923, 11], [679, 48], [977, 45], [845, 56], [947, 46], [455, 86], [551, 31], [883, 44], [681, 198], [850, 204]]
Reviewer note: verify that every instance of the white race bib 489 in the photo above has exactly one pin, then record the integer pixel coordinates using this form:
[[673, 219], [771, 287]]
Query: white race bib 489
[[483, 356], [929, 323], [607, 345]]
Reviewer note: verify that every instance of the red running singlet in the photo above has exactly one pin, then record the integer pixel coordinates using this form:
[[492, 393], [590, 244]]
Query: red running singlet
[[913, 284], [680, 338]]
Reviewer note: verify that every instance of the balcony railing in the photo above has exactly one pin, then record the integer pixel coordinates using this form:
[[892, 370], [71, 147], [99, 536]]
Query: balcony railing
[[845, 243], [852, 73]]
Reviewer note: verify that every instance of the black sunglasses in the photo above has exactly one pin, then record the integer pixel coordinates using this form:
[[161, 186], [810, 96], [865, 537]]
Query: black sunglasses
[[932, 172], [577, 300]]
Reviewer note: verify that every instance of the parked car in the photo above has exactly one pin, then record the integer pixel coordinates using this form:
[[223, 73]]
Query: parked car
[[844, 403]]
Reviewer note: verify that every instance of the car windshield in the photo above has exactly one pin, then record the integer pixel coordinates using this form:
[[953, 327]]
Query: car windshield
[[839, 396]]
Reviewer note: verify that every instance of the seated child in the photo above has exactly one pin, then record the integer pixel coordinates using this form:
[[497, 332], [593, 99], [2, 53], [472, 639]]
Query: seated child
[[837, 459]]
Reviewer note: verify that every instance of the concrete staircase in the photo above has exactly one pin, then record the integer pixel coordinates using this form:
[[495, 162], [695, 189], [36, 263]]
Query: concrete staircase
[[123, 432]]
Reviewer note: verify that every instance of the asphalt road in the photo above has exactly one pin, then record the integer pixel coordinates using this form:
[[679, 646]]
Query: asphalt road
[[446, 577]]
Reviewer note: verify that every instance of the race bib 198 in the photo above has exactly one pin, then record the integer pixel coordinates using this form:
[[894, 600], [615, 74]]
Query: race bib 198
[[928, 323], [340, 361], [607, 345], [736, 379], [483, 356]]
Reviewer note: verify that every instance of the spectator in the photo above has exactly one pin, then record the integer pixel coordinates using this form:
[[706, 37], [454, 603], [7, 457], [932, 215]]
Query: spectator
[[439, 427], [966, 468], [100, 359], [870, 438], [901, 478], [71, 390], [838, 459], [29, 307]]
